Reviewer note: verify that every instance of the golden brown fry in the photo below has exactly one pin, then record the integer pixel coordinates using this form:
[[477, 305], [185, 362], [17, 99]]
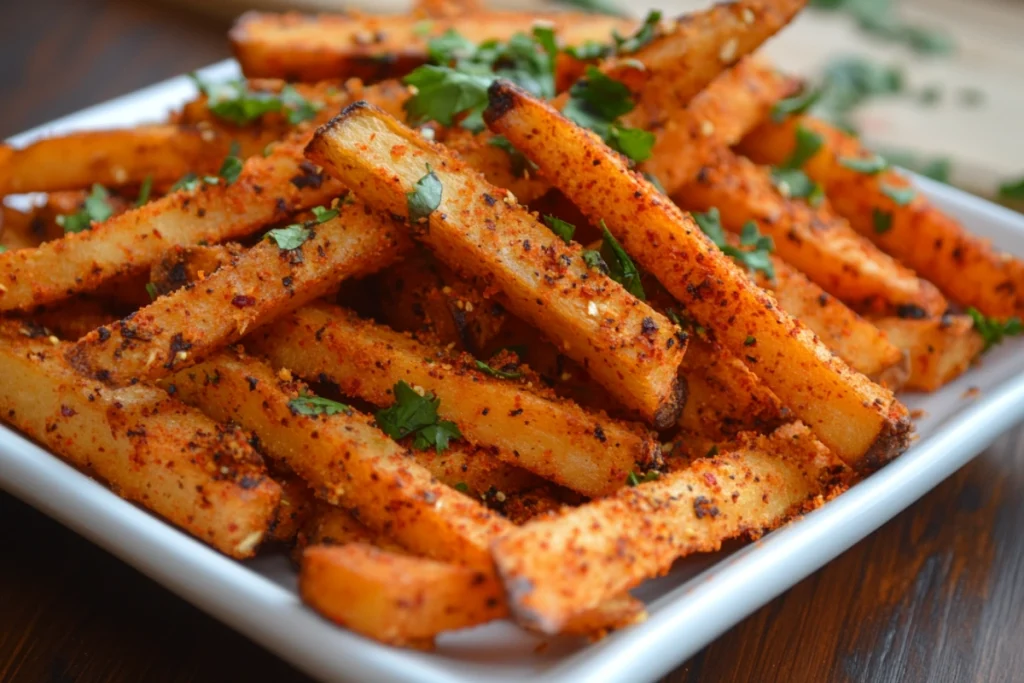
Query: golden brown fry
[[858, 420], [151, 449], [182, 328], [940, 349], [268, 190], [344, 458], [966, 268], [312, 48], [447, 8], [815, 241], [497, 165], [181, 265], [732, 105], [475, 470], [18, 229], [113, 158], [298, 505], [481, 231], [558, 440], [75, 317], [557, 567], [332, 525]]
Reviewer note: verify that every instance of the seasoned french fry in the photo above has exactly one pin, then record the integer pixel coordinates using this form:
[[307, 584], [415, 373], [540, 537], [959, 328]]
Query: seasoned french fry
[[476, 470], [181, 265], [623, 343], [113, 158], [586, 452], [268, 190], [859, 421], [940, 349], [332, 525], [883, 208], [448, 8], [184, 327], [554, 568], [151, 449], [496, 164], [298, 505], [75, 317], [17, 229], [816, 241], [306, 48], [344, 458]]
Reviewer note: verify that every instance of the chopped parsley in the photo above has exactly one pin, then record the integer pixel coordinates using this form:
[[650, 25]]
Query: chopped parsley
[[616, 264], [229, 171], [295, 235], [757, 254], [519, 162], [882, 221], [647, 32], [993, 330], [461, 487], [795, 183], [633, 480], [596, 102], [144, 191], [231, 168], [2, 248], [412, 414], [500, 374], [308, 404], [1012, 190], [152, 291], [236, 102], [653, 180], [797, 104], [425, 197], [900, 195], [563, 229], [872, 165], [808, 142], [96, 208]]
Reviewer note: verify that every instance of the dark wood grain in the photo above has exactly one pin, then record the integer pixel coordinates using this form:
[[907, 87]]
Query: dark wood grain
[[935, 595]]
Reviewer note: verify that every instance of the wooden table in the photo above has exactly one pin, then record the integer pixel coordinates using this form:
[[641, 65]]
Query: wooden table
[[937, 594]]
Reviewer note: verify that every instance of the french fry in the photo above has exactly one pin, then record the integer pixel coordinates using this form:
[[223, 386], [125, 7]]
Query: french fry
[[17, 229], [476, 470], [860, 421], [313, 48], [113, 158], [624, 344], [966, 268], [75, 317], [586, 452], [298, 505], [150, 448], [447, 8], [180, 266], [268, 190], [940, 349], [345, 459], [332, 525], [496, 164], [184, 327], [555, 568], [814, 240]]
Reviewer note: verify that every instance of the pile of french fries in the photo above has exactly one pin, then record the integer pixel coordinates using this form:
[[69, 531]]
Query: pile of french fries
[[484, 315]]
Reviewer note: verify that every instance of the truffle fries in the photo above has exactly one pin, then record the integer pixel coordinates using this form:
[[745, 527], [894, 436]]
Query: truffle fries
[[274, 277], [554, 568], [880, 204], [346, 459], [860, 421], [587, 452], [481, 231], [150, 448]]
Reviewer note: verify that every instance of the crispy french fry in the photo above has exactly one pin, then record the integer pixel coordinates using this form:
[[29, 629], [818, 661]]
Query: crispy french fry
[[966, 268], [268, 190], [344, 458], [862, 345], [731, 106], [497, 165], [476, 470], [940, 349], [18, 229], [150, 448], [557, 567], [816, 241], [558, 440], [623, 343], [113, 158], [184, 327], [858, 420], [447, 8], [180, 266], [332, 525], [75, 317], [305, 48], [298, 505]]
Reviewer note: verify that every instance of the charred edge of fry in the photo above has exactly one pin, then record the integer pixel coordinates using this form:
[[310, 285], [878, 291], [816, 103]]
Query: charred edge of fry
[[892, 440], [670, 412]]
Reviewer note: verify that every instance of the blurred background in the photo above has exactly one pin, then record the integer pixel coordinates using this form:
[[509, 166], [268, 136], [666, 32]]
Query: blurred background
[[936, 85]]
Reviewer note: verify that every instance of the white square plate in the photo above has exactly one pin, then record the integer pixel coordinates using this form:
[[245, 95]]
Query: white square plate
[[696, 602]]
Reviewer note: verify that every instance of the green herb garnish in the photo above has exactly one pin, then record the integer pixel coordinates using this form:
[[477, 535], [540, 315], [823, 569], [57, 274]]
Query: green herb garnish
[[563, 229], [295, 235], [414, 414], [308, 404], [900, 195], [96, 208], [620, 266], [633, 480], [795, 183], [235, 102], [872, 165], [596, 102], [797, 104], [144, 191], [993, 330], [882, 221], [425, 197], [500, 374], [1012, 190], [757, 254], [152, 291]]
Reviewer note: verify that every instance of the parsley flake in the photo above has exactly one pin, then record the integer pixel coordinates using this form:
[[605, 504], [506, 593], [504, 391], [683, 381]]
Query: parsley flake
[[231, 168], [290, 237], [795, 183], [872, 165], [2, 248], [144, 191], [633, 480], [152, 291], [500, 374], [647, 32], [235, 102], [620, 266], [308, 404], [900, 195], [412, 414], [882, 221], [993, 330], [808, 142], [757, 254], [1012, 190], [563, 229], [425, 197], [797, 104], [96, 208], [461, 487], [596, 102]]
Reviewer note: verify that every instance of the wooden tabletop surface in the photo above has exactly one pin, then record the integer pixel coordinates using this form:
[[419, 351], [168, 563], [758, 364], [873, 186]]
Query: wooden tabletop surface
[[937, 594]]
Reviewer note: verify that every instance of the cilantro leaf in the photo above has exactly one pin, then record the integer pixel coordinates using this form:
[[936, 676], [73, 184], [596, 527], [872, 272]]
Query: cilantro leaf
[[563, 229], [298, 107], [144, 191], [808, 142], [793, 182], [322, 215], [872, 165], [993, 330], [2, 248], [1012, 190], [595, 102], [595, 261], [415, 414], [797, 104], [653, 180], [635, 143], [633, 480], [152, 291], [236, 102], [425, 197], [936, 168], [589, 50], [450, 48], [900, 195], [882, 221], [96, 208], [231, 167], [308, 404], [500, 374], [757, 254], [602, 95], [187, 182], [290, 237], [443, 93], [620, 266], [647, 32]]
